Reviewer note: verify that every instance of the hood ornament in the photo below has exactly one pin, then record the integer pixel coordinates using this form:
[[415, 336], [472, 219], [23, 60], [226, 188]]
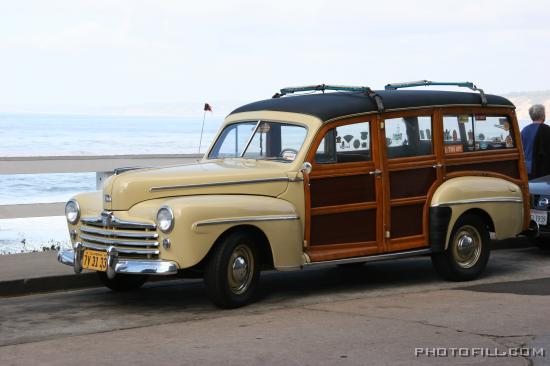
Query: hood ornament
[[107, 218]]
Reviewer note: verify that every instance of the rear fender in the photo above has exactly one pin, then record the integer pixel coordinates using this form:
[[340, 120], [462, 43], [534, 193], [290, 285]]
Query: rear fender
[[499, 199]]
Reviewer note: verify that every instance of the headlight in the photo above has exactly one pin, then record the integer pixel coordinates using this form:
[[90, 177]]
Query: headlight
[[72, 211], [165, 219]]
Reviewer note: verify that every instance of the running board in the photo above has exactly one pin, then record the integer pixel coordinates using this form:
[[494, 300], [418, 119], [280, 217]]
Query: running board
[[370, 258]]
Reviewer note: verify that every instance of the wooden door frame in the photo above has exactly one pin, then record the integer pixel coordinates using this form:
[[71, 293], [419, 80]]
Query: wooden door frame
[[325, 170], [406, 163]]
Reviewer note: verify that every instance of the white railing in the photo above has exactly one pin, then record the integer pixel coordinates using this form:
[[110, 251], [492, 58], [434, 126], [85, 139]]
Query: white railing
[[103, 166]]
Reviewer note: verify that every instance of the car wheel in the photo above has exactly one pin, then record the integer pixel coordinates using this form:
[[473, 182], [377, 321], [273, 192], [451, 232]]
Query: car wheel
[[233, 271], [122, 282], [468, 251]]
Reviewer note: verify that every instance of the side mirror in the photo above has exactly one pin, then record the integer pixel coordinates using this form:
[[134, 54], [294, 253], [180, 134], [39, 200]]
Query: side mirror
[[306, 168]]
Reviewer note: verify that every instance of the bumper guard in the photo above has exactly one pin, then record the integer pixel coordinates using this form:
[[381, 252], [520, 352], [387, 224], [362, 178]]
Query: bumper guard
[[116, 265]]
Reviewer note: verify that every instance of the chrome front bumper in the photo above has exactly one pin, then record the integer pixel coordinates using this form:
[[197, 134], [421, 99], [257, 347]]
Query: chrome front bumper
[[116, 265]]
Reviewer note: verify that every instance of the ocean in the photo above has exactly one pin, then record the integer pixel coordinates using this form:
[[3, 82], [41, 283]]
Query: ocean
[[63, 135]]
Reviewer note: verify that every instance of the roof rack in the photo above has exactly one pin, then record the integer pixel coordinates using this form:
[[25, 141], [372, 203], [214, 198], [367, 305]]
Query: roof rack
[[322, 87], [462, 84]]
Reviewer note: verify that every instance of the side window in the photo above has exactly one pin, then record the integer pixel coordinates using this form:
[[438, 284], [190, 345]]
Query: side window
[[492, 133], [233, 140], [276, 141], [409, 136], [345, 144], [458, 133], [464, 133]]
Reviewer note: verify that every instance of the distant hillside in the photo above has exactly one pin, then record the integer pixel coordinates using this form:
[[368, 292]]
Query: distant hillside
[[524, 100]]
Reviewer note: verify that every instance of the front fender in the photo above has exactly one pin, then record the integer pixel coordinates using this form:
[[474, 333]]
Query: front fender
[[502, 200], [200, 220]]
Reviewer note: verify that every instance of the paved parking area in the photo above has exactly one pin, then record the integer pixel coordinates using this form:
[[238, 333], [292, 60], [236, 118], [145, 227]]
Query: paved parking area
[[377, 314]]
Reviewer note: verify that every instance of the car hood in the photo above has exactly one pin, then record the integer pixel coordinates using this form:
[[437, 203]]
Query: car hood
[[540, 186], [238, 176]]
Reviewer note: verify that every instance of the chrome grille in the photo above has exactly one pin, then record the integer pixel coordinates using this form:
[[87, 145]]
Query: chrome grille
[[128, 237]]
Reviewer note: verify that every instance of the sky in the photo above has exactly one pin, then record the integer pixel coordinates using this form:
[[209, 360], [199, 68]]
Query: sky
[[147, 56]]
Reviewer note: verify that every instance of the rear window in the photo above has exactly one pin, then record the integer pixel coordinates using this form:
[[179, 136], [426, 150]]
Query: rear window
[[476, 132], [409, 136]]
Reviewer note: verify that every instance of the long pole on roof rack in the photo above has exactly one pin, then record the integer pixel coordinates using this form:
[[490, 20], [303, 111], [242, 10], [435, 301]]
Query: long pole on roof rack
[[322, 87], [411, 84], [461, 84]]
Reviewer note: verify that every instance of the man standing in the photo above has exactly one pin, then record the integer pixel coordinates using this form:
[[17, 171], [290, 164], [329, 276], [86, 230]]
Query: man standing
[[536, 143]]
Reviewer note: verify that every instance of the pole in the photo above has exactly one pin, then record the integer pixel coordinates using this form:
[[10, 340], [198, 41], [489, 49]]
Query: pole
[[202, 130]]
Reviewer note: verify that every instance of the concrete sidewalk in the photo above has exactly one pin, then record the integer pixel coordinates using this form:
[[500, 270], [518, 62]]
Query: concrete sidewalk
[[39, 272]]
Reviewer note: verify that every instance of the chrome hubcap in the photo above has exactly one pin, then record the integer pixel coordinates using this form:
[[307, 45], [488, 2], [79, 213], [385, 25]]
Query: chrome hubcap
[[240, 269], [467, 246]]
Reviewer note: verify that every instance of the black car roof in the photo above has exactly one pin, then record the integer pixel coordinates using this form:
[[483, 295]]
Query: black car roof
[[329, 106]]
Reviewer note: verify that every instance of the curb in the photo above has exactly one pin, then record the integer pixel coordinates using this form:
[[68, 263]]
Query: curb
[[48, 284]]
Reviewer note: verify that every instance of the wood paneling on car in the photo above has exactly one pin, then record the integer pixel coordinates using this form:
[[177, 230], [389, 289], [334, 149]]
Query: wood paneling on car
[[343, 227], [342, 190]]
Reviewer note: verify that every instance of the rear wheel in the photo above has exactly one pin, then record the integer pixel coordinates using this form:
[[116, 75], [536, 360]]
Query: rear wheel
[[468, 251], [233, 271], [122, 282]]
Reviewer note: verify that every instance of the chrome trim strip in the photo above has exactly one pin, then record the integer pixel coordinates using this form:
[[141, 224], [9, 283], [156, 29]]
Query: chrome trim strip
[[108, 241], [113, 221], [244, 219], [217, 184], [121, 250], [480, 200], [370, 258], [119, 234], [155, 267]]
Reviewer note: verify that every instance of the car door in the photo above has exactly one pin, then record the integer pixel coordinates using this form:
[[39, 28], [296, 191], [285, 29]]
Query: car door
[[411, 164], [344, 191]]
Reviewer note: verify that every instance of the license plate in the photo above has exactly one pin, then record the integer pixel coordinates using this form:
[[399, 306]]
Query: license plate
[[540, 217], [95, 260]]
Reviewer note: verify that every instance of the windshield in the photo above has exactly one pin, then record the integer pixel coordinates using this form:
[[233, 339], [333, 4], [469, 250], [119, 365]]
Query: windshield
[[259, 140]]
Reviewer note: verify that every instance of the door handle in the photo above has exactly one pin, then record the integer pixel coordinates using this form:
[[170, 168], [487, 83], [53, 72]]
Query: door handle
[[438, 165], [376, 172]]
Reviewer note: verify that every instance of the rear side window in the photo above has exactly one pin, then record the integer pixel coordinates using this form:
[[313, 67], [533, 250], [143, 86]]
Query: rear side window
[[345, 144], [477, 132], [409, 136]]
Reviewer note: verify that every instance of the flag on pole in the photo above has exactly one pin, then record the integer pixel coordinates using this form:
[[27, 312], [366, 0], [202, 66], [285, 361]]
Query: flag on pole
[[207, 108]]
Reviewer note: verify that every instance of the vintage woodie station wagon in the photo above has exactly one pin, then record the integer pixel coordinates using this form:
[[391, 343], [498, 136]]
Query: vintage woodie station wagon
[[315, 176]]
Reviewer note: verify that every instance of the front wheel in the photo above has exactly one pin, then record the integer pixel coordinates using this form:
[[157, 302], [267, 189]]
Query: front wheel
[[468, 251], [122, 282], [233, 271]]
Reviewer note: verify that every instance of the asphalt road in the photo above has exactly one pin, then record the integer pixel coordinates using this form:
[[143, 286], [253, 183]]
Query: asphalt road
[[380, 313]]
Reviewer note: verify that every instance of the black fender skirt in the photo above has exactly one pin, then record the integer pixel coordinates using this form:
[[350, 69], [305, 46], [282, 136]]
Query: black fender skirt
[[439, 224]]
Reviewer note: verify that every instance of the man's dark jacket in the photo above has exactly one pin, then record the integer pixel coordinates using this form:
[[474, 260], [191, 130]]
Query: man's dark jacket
[[541, 153]]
